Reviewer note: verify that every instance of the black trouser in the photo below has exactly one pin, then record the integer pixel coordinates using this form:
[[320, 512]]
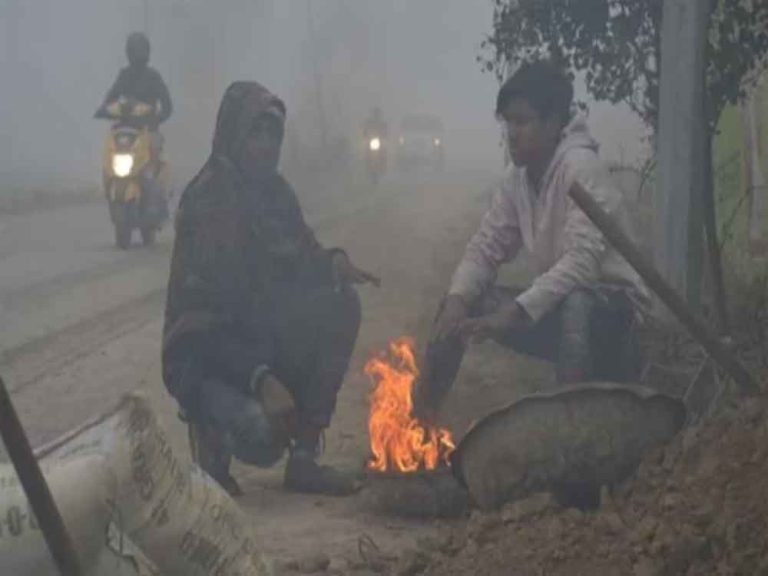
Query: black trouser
[[310, 335], [588, 336], [314, 335]]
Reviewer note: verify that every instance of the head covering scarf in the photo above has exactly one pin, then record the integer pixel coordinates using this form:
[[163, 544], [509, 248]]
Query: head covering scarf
[[242, 103]]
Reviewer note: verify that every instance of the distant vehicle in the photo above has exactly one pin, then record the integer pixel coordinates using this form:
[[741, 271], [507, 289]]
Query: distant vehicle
[[421, 142], [375, 156], [134, 173]]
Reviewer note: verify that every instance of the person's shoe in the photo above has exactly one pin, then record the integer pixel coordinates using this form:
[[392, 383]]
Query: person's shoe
[[228, 483], [209, 452], [304, 475]]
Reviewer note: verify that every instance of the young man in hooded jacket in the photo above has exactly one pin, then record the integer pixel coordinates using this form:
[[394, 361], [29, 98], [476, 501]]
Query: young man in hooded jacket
[[579, 311], [260, 319]]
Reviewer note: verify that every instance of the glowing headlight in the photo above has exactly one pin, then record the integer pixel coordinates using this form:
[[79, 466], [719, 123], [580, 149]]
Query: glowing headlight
[[438, 142], [122, 164], [374, 144], [402, 140]]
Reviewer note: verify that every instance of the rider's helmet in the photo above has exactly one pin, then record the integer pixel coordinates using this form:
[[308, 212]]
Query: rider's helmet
[[137, 49]]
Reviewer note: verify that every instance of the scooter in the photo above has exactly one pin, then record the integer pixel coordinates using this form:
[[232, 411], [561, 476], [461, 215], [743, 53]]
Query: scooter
[[134, 171]]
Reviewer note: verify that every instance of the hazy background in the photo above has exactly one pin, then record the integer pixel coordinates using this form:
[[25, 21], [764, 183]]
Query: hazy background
[[58, 58]]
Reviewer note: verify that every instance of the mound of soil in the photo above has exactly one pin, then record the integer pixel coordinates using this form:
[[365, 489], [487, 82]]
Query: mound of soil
[[697, 507]]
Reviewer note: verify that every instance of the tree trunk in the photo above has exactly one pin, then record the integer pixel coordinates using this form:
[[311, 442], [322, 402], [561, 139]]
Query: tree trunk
[[709, 211], [713, 245], [755, 179]]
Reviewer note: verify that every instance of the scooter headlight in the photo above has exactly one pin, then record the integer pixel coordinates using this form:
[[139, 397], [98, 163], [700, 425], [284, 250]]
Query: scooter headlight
[[122, 164], [374, 145]]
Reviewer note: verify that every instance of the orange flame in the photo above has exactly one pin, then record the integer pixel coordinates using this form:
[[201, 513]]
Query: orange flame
[[399, 442]]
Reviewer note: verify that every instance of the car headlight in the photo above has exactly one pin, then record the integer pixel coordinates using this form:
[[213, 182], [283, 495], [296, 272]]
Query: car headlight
[[438, 142], [375, 144], [402, 140], [122, 164]]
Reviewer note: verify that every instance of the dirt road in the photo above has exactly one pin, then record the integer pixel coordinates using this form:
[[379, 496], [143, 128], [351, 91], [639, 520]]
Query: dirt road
[[82, 322]]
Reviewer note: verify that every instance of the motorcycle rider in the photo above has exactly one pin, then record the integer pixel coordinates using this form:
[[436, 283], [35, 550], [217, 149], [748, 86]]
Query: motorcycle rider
[[375, 135], [140, 82], [260, 319], [375, 126]]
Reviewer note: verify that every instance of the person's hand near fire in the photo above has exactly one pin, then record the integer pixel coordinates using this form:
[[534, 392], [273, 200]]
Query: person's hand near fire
[[454, 320], [345, 273], [455, 327]]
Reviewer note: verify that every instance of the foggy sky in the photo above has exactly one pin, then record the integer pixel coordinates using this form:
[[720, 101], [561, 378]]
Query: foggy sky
[[59, 58]]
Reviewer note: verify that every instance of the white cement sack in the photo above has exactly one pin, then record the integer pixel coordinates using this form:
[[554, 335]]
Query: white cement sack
[[109, 563], [181, 520], [121, 557], [82, 488]]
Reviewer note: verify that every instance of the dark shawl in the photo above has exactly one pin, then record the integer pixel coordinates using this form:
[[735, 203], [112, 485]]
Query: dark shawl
[[236, 241]]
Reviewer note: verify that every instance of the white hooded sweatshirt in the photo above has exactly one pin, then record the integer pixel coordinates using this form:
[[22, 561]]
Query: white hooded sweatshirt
[[567, 249]]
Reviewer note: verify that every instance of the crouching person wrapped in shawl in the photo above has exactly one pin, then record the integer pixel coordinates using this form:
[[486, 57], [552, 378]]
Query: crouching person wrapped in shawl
[[260, 319]]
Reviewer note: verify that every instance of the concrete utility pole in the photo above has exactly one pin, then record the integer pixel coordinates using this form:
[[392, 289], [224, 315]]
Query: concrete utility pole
[[681, 145], [320, 101]]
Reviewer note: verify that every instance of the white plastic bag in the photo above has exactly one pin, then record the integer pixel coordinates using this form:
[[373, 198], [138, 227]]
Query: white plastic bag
[[82, 488]]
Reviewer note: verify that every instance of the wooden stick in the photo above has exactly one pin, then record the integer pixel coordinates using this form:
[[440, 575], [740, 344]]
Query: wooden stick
[[697, 328], [34, 484]]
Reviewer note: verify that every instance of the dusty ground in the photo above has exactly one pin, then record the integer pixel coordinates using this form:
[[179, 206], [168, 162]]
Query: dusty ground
[[82, 322], [696, 508]]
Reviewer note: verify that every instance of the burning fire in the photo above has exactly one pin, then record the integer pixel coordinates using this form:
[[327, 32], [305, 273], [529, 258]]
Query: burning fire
[[399, 442]]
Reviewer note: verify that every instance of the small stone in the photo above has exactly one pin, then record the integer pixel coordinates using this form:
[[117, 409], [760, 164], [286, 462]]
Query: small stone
[[645, 567], [412, 563], [522, 509], [574, 515], [671, 456], [611, 522], [555, 528], [456, 540], [432, 544], [670, 501], [481, 526], [738, 535], [681, 552], [289, 566], [644, 532], [314, 563], [754, 411], [690, 438], [471, 548], [762, 570]]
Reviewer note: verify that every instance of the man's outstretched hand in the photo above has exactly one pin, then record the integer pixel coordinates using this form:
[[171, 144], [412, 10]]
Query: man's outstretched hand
[[424, 409], [346, 274], [492, 325], [453, 314]]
